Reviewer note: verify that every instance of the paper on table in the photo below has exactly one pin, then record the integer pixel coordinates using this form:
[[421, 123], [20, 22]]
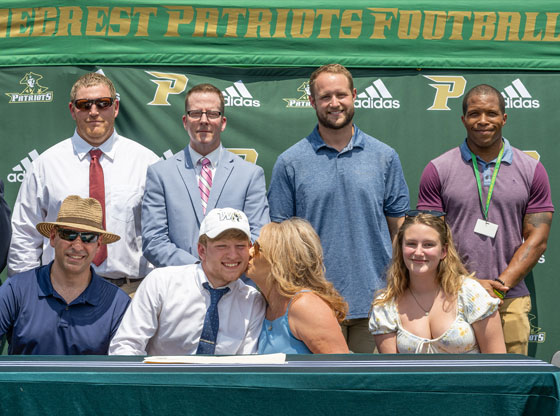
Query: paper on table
[[216, 359]]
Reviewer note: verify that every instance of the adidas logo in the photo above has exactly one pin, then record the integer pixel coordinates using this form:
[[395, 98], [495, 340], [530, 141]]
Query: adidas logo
[[239, 96], [376, 96], [25, 164], [517, 96]]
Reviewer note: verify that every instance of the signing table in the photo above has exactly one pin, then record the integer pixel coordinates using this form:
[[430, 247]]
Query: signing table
[[357, 384]]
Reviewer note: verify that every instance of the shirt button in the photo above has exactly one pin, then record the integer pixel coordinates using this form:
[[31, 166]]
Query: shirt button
[[67, 307]]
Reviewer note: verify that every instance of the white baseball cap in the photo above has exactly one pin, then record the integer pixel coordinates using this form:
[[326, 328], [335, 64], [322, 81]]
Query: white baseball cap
[[221, 219]]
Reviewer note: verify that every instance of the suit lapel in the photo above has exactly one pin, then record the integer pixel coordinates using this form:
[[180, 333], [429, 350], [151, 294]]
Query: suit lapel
[[187, 171], [220, 178]]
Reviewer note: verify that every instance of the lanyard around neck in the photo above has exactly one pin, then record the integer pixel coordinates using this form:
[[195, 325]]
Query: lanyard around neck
[[492, 182]]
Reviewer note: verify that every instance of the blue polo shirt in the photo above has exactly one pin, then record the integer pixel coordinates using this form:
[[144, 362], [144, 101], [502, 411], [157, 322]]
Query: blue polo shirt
[[346, 196], [37, 320]]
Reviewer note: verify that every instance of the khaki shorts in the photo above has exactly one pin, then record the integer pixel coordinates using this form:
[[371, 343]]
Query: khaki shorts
[[514, 313], [357, 335]]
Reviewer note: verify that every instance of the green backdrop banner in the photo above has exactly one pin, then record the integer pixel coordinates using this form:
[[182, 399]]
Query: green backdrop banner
[[416, 112], [374, 34]]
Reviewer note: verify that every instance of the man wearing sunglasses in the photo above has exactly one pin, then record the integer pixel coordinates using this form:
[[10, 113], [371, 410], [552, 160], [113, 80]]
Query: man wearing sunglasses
[[64, 307], [97, 162], [202, 176], [499, 209]]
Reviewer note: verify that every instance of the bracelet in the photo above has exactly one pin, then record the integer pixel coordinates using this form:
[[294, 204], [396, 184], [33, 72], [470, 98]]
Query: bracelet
[[501, 281]]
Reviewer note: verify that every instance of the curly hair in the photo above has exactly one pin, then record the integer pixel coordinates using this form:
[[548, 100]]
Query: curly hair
[[450, 271], [293, 249]]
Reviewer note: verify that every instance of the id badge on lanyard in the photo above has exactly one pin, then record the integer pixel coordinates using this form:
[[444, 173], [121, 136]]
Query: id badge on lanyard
[[483, 226]]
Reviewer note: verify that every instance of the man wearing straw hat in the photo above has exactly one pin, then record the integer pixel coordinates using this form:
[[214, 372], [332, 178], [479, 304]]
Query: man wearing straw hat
[[64, 307]]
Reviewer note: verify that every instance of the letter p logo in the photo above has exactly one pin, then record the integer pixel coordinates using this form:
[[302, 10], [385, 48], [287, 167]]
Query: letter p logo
[[447, 87], [167, 84]]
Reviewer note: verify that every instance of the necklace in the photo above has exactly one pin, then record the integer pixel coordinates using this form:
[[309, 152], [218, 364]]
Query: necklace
[[426, 312]]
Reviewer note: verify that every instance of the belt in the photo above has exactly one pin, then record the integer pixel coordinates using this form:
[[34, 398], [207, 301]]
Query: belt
[[121, 281]]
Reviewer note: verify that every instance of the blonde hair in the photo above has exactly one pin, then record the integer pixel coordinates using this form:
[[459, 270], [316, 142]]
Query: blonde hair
[[450, 271], [92, 79], [232, 233], [294, 252]]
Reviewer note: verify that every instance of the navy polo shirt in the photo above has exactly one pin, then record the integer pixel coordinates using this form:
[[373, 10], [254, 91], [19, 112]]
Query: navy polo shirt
[[37, 320]]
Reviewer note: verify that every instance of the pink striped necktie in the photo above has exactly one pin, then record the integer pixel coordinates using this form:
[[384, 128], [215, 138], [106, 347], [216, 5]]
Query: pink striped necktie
[[205, 183]]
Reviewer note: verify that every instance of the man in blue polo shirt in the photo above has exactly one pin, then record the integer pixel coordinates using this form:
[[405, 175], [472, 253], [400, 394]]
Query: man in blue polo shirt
[[64, 307], [351, 188]]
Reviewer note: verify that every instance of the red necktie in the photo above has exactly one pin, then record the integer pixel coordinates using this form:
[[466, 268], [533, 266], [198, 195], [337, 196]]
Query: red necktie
[[97, 191]]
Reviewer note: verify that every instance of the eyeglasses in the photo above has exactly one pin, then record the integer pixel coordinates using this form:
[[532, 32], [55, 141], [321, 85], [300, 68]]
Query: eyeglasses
[[197, 114], [416, 212], [71, 235], [101, 103]]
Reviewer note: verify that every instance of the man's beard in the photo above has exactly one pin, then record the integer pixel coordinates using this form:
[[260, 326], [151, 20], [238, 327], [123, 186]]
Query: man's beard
[[324, 121]]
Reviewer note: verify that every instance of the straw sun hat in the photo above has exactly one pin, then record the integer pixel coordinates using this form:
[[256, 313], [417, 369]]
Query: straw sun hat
[[81, 213]]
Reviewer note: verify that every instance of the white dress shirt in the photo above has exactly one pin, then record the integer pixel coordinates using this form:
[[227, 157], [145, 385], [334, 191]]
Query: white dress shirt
[[167, 313], [63, 170]]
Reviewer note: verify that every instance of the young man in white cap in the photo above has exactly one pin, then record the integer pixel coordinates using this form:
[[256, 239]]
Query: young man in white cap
[[199, 308], [64, 307]]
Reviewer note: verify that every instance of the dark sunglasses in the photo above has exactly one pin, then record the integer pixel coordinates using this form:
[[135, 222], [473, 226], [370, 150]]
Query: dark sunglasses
[[85, 104], [71, 235], [416, 212]]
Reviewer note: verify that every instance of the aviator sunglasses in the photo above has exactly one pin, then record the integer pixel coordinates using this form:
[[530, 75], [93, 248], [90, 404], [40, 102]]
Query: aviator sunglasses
[[71, 235], [85, 104]]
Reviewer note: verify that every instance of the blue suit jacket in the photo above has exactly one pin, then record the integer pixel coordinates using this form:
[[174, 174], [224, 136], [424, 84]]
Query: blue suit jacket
[[172, 210]]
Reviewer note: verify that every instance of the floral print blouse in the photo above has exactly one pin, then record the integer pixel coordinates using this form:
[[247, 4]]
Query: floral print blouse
[[473, 304]]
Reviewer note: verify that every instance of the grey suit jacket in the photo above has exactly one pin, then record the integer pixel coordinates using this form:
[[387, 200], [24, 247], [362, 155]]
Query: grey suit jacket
[[172, 210]]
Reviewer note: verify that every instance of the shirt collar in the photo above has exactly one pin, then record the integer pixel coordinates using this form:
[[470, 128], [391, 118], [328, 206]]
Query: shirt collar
[[82, 148], [317, 142], [213, 156], [202, 278], [507, 157], [91, 295]]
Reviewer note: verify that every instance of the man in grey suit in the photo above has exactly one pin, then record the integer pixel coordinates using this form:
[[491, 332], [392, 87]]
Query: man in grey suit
[[203, 176]]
